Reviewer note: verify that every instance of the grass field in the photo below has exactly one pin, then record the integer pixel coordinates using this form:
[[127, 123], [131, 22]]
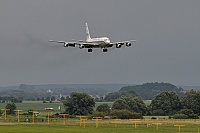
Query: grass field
[[105, 126], [41, 125], [40, 106], [36, 105]]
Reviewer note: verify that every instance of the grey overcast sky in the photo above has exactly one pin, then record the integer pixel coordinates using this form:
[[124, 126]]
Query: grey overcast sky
[[167, 50]]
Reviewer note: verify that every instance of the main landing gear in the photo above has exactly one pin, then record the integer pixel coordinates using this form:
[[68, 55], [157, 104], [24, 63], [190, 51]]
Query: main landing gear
[[105, 50], [89, 50]]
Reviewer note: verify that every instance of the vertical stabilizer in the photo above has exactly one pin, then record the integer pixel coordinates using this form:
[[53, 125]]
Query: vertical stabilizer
[[87, 32]]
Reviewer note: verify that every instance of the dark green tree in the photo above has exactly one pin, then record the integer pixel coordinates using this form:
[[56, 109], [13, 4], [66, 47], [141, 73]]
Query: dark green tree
[[166, 103], [47, 98], [79, 104], [53, 98], [133, 104], [62, 98], [120, 104], [103, 108], [115, 95], [1, 112], [42, 99], [11, 107], [192, 101], [17, 100]]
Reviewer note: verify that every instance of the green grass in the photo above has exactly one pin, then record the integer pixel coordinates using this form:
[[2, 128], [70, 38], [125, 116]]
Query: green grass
[[36, 105], [72, 126], [105, 126], [40, 106]]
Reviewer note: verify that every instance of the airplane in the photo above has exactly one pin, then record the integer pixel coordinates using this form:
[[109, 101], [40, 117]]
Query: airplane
[[90, 43]]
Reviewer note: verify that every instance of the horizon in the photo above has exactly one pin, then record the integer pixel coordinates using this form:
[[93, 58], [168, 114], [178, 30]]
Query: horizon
[[100, 84]]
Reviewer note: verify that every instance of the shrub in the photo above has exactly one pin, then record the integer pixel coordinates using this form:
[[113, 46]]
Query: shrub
[[180, 116], [98, 114], [193, 116], [125, 114], [186, 114]]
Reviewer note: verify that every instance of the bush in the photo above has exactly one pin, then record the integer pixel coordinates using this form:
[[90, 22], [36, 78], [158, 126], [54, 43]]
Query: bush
[[180, 116], [186, 114], [98, 114], [125, 114], [186, 111], [193, 116]]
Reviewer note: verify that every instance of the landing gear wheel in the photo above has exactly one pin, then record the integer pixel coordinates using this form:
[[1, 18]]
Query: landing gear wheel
[[105, 50], [89, 50]]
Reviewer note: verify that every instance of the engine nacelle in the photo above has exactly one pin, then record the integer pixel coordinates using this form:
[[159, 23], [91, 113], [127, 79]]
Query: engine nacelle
[[118, 45], [128, 44], [66, 44], [81, 46]]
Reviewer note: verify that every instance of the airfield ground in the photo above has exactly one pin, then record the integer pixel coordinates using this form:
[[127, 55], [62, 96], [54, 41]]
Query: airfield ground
[[72, 125], [105, 126]]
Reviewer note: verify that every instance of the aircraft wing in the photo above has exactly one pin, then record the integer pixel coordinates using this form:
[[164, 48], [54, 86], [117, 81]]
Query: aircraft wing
[[66, 44], [57, 41], [81, 44], [127, 43], [124, 42]]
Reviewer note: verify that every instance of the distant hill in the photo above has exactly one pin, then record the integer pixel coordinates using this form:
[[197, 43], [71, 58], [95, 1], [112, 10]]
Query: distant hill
[[146, 91], [38, 91], [190, 87]]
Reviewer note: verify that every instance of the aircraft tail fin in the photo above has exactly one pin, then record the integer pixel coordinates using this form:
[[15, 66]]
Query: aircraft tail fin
[[87, 32]]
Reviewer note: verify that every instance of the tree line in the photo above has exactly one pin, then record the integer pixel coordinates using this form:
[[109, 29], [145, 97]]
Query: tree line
[[166, 103], [11, 99]]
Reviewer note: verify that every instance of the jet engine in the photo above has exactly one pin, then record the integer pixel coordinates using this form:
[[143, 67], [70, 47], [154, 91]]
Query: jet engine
[[118, 45], [81, 46], [66, 44], [128, 44]]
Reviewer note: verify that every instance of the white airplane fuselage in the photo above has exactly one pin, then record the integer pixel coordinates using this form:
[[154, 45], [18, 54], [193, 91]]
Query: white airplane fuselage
[[100, 42]]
